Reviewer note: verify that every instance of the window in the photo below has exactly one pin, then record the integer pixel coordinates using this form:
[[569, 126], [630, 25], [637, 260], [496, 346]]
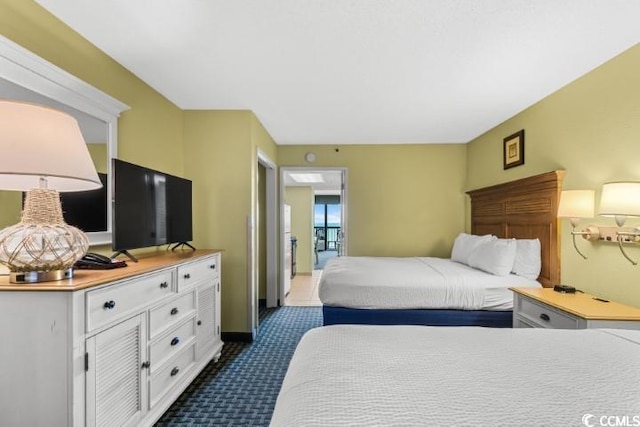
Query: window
[[327, 222]]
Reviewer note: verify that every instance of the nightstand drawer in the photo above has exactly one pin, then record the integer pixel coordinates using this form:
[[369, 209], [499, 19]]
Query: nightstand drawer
[[545, 316]]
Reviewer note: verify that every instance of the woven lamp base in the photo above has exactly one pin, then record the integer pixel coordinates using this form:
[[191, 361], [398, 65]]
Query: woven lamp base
[[41, 247]]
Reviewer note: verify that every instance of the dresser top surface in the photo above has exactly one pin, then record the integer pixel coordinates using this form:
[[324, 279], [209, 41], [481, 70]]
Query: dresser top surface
[[84, 279], [581, 304]]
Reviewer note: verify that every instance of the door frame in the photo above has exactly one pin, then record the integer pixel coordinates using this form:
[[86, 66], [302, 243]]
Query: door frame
[[343, 200], [271, 224]]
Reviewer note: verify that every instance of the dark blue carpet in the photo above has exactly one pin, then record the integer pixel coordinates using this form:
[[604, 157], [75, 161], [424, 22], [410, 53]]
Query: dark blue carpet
[[242, 387]]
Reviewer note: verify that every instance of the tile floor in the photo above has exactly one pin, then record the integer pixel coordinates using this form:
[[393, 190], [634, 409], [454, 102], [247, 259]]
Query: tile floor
[[304, 290]]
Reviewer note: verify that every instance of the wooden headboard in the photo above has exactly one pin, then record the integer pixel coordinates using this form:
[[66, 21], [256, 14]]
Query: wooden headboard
[[523, 209]]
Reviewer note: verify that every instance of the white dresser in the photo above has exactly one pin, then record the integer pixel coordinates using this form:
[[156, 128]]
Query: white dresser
[[546, 308], [109, 348]]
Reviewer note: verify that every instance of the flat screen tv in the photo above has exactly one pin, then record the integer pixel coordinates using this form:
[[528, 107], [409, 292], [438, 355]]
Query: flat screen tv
[[86, 210], [150, 208]]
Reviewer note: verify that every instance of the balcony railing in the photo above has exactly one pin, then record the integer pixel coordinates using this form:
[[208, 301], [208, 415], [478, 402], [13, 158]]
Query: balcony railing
[[327, 237]]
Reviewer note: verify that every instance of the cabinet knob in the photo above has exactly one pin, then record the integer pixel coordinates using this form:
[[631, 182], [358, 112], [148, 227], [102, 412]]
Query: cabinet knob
[[187, 276], [109, 305], [199, 322], [164, 285], [175, 341], [545, 317], [175, 371], [174, 311], [145, 365], [212, 266]]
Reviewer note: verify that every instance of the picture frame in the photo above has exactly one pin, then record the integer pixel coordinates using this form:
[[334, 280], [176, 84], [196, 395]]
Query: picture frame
[[513, 150]]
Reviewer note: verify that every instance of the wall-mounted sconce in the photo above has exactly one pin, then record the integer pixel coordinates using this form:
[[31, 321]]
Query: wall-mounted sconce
[[620, 200], [577, 204]]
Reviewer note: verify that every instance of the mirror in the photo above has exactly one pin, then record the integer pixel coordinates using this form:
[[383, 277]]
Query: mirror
[[27, 77]]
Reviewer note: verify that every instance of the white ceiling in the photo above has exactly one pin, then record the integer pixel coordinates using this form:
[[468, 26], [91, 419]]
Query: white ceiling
[[358, 71], [331, 180]]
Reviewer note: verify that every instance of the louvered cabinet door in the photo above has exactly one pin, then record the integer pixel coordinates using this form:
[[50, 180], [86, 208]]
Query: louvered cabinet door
[[205, 329], [117, 375]]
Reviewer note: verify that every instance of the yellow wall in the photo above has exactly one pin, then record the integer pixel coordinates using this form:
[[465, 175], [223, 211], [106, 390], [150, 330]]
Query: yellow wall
[[403, 200], [301, 201], [590, 128], [220, 152], [98, 154], [218, 158]]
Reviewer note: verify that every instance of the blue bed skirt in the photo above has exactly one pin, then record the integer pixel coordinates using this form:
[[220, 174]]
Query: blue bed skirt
[[342, 315]]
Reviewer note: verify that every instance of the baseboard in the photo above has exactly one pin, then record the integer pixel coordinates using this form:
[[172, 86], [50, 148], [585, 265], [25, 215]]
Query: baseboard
[[262, 303], [237, 336]]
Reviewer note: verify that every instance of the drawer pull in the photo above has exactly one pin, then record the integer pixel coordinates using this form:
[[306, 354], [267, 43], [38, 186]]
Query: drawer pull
[[175, 341], [212, 266], [164, 285], [109, 305], [199, 322], [175, 371], [545, 317], [187, 276], [145, 365], [174, 311]]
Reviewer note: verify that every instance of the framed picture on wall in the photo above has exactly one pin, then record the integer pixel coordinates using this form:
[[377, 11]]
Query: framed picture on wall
[[513, 150]]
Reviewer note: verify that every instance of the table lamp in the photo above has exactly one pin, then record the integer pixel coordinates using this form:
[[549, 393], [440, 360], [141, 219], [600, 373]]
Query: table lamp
[[42, 152]]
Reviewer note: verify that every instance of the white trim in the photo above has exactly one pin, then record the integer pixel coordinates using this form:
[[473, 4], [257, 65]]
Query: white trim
[[272, 227], [24, 68]]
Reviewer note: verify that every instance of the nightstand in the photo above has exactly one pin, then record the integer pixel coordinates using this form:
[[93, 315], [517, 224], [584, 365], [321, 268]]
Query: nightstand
[[546, 308]]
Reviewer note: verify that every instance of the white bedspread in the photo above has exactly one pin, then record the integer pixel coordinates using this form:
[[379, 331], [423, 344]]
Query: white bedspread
[[406, 283], [361, 375]]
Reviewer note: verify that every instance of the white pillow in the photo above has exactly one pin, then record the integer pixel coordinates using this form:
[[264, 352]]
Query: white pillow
[[465, 244], [494, 256], [528, 260]]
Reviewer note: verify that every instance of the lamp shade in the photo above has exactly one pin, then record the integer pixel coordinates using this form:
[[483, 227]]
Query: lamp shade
[[576, 204], [620, 199], [39, 142]]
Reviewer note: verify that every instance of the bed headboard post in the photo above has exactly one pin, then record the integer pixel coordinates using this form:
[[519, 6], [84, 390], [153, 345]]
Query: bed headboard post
[[525, 209]]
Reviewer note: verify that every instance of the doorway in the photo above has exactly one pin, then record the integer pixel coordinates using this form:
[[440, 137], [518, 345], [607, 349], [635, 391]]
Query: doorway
[[315, 199]]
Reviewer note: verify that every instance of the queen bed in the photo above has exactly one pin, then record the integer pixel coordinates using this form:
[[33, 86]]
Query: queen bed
[[457, 291], [420, 375]]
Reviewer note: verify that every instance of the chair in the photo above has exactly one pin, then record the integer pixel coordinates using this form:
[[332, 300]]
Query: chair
[[315, 248], [321, 241], [339, 242]]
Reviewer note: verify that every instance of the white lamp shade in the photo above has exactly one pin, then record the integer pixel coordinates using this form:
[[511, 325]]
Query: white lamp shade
[[620, 199], [36, 142], [576, 204]]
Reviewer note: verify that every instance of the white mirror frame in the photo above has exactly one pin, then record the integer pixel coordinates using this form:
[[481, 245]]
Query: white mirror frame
[[24, 68]]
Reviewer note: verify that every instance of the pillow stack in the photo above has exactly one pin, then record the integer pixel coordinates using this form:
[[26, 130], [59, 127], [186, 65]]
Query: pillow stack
[[500, 257]]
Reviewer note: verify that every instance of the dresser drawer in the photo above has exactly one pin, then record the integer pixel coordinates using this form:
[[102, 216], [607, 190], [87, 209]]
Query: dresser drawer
[[172, 343], [192, 273], [171, 374], [113, 303], [545, 316], [171, 313]]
